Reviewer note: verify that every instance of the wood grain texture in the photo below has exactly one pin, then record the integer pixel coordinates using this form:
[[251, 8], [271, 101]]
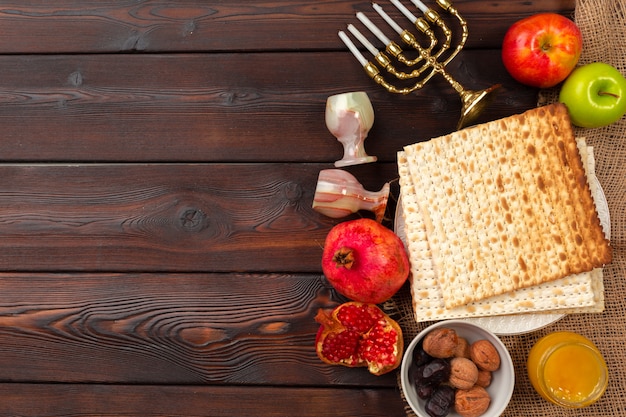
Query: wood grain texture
[[165, 217], [168, 329], [158, 160], [158, 25], [224, 107], [62, 400]]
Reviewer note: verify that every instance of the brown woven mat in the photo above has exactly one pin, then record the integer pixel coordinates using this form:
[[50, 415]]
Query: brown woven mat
[[603, 25]]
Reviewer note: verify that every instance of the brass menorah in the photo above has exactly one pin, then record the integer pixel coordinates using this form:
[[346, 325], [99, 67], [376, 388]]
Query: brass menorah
[[431, 59]]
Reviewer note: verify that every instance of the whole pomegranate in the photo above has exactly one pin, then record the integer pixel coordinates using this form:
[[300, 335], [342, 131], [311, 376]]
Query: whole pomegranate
[[365, 261], [359, 334]]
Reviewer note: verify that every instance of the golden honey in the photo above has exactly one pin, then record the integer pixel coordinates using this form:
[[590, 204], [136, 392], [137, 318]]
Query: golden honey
[[567, 369]]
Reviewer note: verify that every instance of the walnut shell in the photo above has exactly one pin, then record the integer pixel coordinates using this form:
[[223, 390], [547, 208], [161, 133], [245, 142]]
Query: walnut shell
[[472, 402], [463, 373], [440, 343], [462, 349], [484, 378], [485, 355]]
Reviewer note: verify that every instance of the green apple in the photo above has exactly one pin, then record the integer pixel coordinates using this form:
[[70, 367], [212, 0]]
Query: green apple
[[595, 95]]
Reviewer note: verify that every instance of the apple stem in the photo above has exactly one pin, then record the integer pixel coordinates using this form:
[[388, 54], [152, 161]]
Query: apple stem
[[604, 93]]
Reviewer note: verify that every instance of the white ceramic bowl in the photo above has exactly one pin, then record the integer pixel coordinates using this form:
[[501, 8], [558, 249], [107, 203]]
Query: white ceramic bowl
[[503, 380]]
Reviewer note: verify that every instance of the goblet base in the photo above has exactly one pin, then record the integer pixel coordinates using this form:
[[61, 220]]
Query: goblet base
[[355, 161]]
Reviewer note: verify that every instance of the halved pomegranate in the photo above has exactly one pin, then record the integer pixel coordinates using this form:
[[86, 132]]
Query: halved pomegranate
[[358, 334]]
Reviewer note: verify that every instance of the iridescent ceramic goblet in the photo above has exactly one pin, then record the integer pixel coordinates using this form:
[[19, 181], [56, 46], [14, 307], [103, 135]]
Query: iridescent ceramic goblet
[[339, 194], [349, 117]]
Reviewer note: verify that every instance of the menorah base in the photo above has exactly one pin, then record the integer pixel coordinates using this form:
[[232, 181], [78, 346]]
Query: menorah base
[[474, 103]]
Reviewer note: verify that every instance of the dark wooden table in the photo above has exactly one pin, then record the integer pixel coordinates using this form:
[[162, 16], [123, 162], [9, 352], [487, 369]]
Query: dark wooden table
[[158, 250]]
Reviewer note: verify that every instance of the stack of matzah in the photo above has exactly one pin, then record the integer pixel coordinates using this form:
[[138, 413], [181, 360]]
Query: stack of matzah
[[499, 219]]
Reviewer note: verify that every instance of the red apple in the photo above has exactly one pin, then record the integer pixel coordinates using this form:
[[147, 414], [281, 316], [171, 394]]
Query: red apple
[[542, 50]]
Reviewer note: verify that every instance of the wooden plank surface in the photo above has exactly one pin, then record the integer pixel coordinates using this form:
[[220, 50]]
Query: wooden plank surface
[[157, 26], [225, 107], [166, 217], [159, 253], [206, 328], [63, 400]]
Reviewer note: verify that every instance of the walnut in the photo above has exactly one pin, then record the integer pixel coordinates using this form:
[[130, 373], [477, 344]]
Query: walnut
[[463, 373], [472, 402], [462, 349], [440, 343], [485, 355], [484, 378]]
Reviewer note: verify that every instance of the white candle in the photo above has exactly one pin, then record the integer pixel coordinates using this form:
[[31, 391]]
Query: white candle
[[387, 18], [363, 40], [404, 11], [352, 48], [420, 5], [372, 27]]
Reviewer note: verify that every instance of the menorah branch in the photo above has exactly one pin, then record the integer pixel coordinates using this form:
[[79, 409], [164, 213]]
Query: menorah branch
[[416, 71]]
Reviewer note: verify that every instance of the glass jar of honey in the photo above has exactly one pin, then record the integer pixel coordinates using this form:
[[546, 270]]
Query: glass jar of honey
[[567, 369]]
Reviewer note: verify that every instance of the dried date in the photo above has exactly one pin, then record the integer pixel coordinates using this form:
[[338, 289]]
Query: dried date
[[420, 357], [425, 391], [434, 372], [441, 402]]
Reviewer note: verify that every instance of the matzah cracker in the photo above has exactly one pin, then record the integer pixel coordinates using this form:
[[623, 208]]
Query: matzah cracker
[[577, 294], [506, 206]]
